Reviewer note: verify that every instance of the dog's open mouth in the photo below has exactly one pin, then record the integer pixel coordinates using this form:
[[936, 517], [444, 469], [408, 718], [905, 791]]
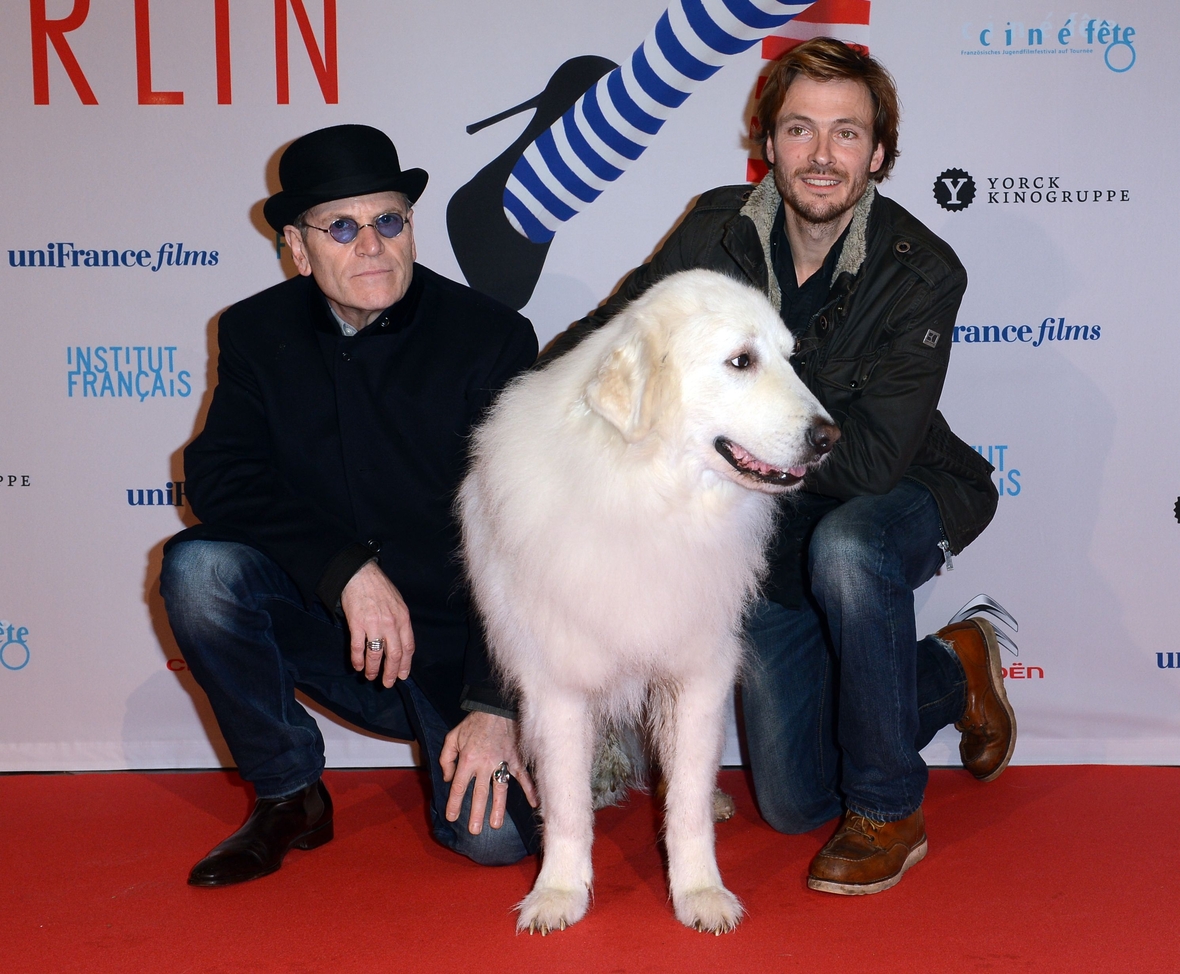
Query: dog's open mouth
[[744, 462]]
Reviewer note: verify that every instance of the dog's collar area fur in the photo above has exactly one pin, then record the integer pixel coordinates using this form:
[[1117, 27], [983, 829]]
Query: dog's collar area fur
[[748, 465], [761, 208]]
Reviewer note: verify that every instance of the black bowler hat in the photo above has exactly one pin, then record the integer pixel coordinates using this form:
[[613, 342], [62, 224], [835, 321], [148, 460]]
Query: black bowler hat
[[334, 164]]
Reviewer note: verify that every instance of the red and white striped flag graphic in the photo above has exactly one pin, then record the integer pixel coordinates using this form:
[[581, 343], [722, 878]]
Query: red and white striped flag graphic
[[845, 20]]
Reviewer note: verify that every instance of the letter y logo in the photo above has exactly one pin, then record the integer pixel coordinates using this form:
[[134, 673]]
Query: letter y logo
[[954, 189]]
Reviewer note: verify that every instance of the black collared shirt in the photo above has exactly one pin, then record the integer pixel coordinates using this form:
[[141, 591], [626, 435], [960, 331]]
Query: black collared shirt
[[801, 511], [800, 301]]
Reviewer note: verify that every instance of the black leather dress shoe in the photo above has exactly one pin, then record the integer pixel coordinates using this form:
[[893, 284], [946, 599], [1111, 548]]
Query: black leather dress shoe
[[277, 825]]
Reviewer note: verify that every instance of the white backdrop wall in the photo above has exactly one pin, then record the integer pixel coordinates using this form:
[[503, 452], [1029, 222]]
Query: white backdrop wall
[[148, 128]]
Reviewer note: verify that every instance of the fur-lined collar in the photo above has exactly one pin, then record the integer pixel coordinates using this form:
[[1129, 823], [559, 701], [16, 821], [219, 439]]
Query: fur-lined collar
[[761, 208]]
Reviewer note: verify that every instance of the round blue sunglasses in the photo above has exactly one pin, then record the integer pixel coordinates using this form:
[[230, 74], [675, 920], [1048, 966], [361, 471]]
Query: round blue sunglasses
[[345, 229]]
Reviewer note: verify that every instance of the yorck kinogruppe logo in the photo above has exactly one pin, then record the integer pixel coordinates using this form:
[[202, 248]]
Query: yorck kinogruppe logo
[[956, 189], [1076, 34], [14, 647]]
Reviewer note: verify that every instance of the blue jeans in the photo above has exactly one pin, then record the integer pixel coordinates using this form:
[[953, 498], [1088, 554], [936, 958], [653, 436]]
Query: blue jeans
[[249, 641], [839, 695]]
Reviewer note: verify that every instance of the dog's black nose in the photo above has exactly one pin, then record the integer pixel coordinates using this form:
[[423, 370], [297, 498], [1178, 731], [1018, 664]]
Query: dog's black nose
[[822, 437]]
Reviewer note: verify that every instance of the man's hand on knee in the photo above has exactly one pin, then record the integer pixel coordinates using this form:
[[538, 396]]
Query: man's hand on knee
[[475, 749], [375, 611]]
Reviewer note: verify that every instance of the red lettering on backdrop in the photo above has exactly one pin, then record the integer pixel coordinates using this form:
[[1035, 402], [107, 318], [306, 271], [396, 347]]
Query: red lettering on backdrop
[[324, 65], [143, 61], [847, 20], [221, 34], [829, 17], [324, 61], [45, 31]]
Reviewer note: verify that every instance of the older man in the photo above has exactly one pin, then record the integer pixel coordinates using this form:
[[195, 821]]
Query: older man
[[324, 479], [840, 694]]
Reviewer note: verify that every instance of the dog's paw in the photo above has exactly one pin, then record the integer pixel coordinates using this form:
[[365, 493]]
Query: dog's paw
[[723, 806], [548, 908], [619, 766], [713, 909]]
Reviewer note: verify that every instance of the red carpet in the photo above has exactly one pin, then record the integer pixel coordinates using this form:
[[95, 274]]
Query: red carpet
[[1064, 869]]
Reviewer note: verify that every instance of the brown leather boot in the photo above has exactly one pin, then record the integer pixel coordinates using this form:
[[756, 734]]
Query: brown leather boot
[[866, 856], [988, 723]]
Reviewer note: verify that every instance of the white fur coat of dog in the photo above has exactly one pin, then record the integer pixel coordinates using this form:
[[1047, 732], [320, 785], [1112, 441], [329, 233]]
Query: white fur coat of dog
[[614, 523]]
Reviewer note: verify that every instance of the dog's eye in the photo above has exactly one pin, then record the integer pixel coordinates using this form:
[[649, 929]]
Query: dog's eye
[[740, 361]]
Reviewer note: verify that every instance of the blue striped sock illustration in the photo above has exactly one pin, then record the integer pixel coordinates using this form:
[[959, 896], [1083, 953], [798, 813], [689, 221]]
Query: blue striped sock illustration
[[590, 146]]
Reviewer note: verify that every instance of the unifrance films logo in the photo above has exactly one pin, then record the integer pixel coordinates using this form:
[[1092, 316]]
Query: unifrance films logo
[[66, 256], [125, 372], [1053, 330], [170, 495], [1005, 476], [956, 189], [1108, 41], [14, 646]]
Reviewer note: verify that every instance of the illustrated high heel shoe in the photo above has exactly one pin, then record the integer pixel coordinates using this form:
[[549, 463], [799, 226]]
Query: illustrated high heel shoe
[[985, 603], [495, 257]]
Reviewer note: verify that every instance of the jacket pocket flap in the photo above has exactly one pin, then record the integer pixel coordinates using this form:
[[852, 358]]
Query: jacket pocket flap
[[851, 374]]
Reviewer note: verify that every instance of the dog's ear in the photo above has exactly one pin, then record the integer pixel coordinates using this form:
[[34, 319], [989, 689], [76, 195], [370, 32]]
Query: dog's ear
[[624, 392]]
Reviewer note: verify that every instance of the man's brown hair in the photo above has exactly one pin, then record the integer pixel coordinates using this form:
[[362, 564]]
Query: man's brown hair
[[827, 59]]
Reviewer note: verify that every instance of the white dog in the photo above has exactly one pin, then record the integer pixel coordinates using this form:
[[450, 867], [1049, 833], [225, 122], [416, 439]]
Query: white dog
[[614, 525]]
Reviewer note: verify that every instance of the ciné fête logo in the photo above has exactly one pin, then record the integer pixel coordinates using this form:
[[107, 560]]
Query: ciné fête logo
[[125, 372], [14, 650], [1076, 35]]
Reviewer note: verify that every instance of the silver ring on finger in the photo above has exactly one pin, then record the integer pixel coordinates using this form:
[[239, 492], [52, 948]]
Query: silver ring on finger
[[376, 645], [502, 775]]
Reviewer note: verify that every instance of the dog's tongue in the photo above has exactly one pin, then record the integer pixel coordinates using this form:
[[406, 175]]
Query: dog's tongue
[[751, 462], [797, 471]]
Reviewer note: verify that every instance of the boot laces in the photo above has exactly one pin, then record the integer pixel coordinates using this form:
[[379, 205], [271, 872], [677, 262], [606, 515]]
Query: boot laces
[[866, 826]]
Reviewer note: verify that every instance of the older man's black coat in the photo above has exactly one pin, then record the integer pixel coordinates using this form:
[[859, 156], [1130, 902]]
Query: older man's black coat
[[322, 451]]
